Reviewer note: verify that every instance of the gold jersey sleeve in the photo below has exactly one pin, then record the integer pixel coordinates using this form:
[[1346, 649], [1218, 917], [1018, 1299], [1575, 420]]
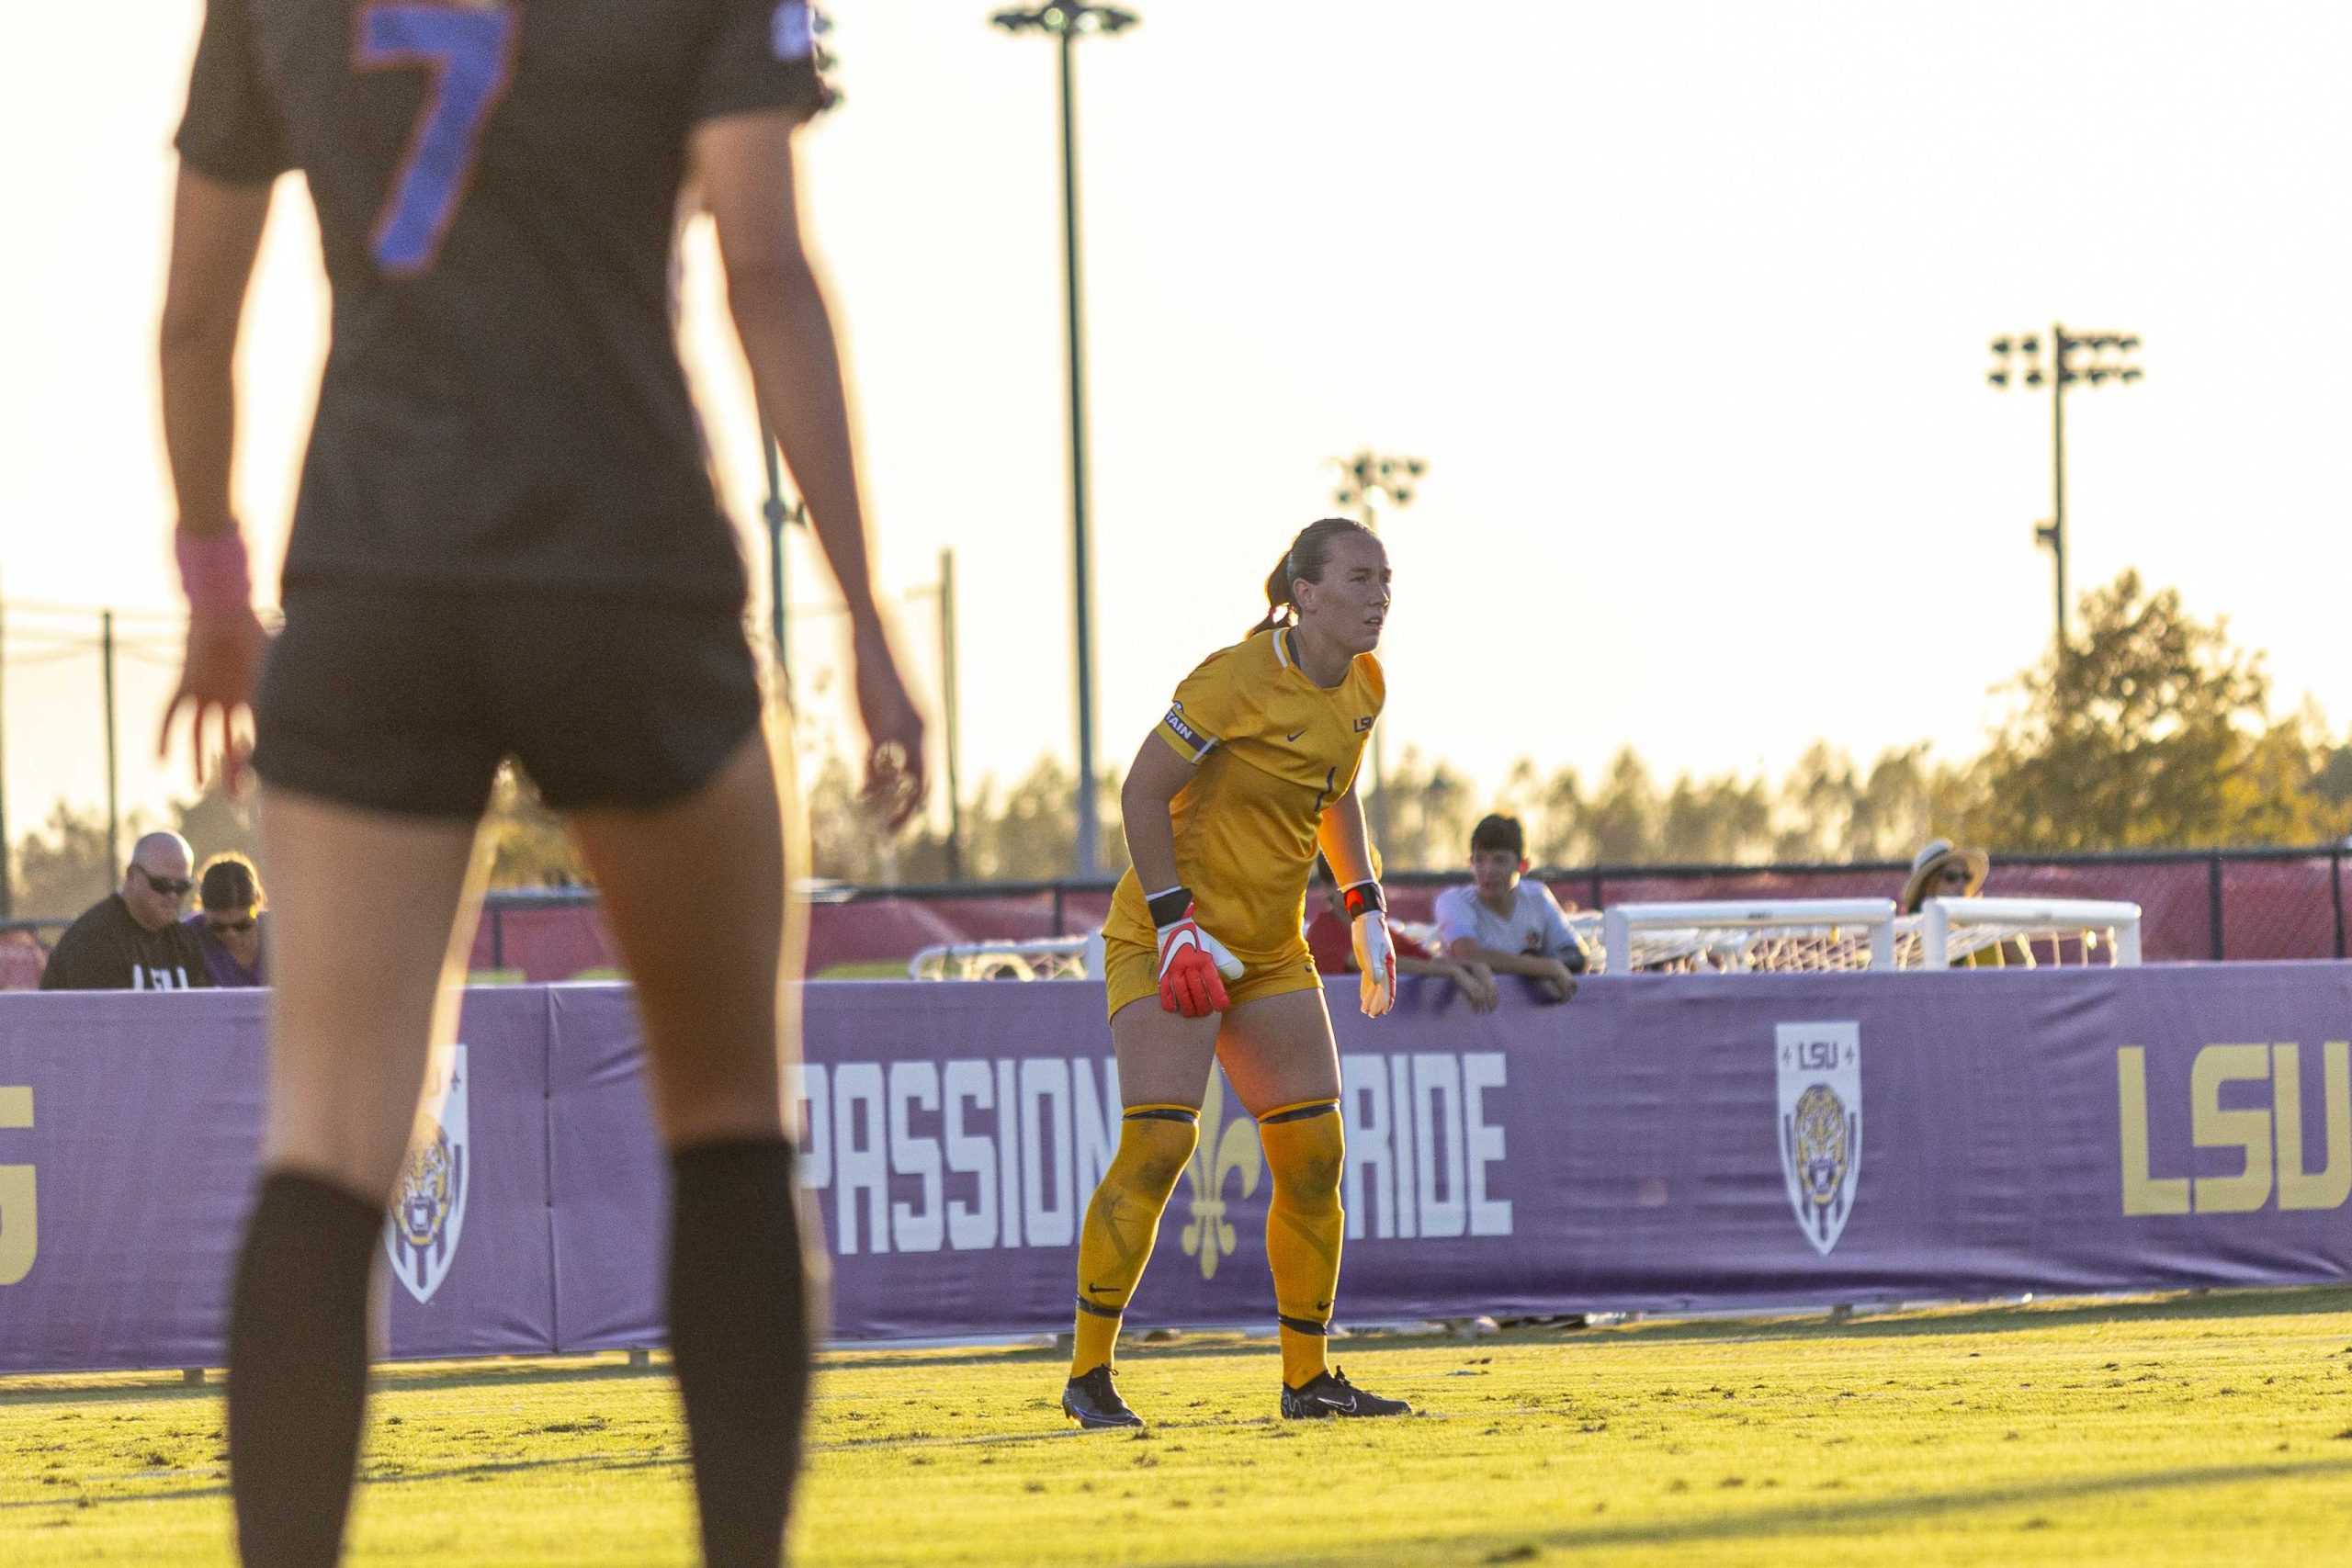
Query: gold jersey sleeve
[[1270, 749]]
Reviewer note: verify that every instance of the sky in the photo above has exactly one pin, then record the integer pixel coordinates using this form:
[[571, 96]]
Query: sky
[[1686, 306]]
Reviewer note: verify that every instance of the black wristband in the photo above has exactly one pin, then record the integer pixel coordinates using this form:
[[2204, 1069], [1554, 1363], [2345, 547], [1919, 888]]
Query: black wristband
[[1363, 896], [1169, 907]]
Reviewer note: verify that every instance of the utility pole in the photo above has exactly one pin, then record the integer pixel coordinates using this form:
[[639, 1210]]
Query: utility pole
[[106, 666], [1368, 482], [2108, 354], [1066, 21], [947, 701]]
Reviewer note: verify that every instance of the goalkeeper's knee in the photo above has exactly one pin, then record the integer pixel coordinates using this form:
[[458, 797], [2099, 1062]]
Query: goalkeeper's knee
[[1306, 1150]]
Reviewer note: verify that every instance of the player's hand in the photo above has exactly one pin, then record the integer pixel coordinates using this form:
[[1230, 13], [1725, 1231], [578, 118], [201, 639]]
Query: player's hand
[[895, 779], [1194, 967], [224, 661], [1477, 984], [1376, 962]]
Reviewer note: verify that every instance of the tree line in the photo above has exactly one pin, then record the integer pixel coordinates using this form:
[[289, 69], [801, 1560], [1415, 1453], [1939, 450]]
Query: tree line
[[2151, 732]]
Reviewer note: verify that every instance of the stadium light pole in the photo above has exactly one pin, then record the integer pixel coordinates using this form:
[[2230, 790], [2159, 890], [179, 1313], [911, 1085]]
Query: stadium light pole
[[1368, 482], [1067, 21], [2110, 360]]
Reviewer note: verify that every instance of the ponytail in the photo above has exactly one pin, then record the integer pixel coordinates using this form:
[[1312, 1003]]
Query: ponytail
[[1303, 562], [1281, 609]]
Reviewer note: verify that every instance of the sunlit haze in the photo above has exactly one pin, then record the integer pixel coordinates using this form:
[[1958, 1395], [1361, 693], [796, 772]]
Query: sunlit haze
[[1685, 305]]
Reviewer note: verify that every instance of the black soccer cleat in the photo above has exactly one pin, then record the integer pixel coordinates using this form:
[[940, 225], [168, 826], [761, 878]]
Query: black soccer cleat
[[1092, 1402], [1330, 1394]]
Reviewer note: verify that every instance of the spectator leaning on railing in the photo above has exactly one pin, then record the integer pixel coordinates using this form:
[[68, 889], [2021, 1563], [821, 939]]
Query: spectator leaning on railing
[[132, 939], [228, 925], [1511, 926]]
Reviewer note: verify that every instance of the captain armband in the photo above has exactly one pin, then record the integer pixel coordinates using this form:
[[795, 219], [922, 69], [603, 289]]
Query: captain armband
[[1194, 744]]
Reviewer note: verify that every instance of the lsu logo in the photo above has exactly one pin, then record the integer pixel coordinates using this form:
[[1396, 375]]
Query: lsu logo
[[19, 1219], [2267, 1129], [1821, 1126], [1363, 724], [1226, 1148], [429, 1208]]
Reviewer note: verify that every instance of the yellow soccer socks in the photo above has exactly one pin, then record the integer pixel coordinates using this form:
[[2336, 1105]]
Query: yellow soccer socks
[[1305, 1150], [1155, 1143]]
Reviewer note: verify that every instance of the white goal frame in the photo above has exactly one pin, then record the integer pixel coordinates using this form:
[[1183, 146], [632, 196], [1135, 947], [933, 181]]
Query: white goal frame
[[1043, 958], [1944, 923], [1724, 931], [1724, 934], [1831, 934]]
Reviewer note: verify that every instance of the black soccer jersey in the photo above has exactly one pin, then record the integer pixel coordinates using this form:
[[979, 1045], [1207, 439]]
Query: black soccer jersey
[[496, 184]]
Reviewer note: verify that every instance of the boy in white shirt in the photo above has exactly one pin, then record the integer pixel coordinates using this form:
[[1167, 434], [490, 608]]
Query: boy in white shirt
[[1511, 926]]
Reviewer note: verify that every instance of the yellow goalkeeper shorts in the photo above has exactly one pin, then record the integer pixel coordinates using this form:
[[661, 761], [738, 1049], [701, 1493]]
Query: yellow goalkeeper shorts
[[1131, 972]]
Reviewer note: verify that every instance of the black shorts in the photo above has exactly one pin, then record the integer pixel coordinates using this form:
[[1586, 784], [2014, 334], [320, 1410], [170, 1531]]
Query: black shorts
[[406, 699]]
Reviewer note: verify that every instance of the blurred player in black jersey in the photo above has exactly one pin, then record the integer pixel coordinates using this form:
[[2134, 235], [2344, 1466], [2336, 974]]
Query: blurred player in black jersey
[[506, 543]]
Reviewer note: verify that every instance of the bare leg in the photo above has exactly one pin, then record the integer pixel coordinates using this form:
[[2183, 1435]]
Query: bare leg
[[1164, 1057], [371, 920], [374, 914], [1279, 1052], [695, 891]]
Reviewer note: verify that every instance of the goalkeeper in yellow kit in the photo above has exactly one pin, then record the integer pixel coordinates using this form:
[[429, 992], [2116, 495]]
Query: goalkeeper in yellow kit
[[1225, 805]]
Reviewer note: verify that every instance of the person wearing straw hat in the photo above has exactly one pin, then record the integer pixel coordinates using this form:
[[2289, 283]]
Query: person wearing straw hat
[[1943, 870]]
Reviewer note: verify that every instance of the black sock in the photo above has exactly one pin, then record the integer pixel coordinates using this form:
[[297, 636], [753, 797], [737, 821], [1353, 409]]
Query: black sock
[[739, 1332], [298, 1369]]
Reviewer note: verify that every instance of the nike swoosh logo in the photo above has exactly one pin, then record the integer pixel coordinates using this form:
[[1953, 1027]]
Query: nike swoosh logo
[[1294, 734], [1099, 1290], [1322, 1306], [1347, 1404]]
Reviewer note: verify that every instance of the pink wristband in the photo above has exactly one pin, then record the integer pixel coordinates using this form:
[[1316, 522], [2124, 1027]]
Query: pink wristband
[[213, 569]]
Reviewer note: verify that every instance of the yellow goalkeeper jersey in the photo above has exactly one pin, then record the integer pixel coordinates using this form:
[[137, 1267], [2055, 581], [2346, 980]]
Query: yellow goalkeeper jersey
[[1271, 750]]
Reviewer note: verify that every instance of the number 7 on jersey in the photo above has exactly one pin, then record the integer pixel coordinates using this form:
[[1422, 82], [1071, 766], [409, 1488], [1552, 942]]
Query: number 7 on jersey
[[470, 52]]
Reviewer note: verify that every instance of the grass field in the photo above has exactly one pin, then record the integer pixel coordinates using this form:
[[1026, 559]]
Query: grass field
[[2202, 1430]]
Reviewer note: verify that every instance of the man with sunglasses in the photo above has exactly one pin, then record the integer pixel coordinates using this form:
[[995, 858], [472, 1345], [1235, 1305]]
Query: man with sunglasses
[[132, 939]]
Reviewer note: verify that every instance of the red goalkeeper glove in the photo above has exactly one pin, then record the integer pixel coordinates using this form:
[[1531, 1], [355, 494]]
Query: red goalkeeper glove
[[1193, 965], [1375, 953]]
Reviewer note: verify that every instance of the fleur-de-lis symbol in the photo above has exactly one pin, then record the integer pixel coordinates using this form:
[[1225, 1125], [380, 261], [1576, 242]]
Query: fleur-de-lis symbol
[[1225, 1149]]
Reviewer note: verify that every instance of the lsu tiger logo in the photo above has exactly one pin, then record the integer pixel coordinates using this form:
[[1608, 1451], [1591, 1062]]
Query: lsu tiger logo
[[1821, 1126], [428, 1214]]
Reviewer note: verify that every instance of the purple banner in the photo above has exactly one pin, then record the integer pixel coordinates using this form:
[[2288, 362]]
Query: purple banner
[[1662, 1143]]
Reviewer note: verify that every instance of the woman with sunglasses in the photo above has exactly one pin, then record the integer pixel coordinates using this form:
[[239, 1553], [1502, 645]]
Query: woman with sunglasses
[[1944, 870], [506, 543], [228, 920]]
